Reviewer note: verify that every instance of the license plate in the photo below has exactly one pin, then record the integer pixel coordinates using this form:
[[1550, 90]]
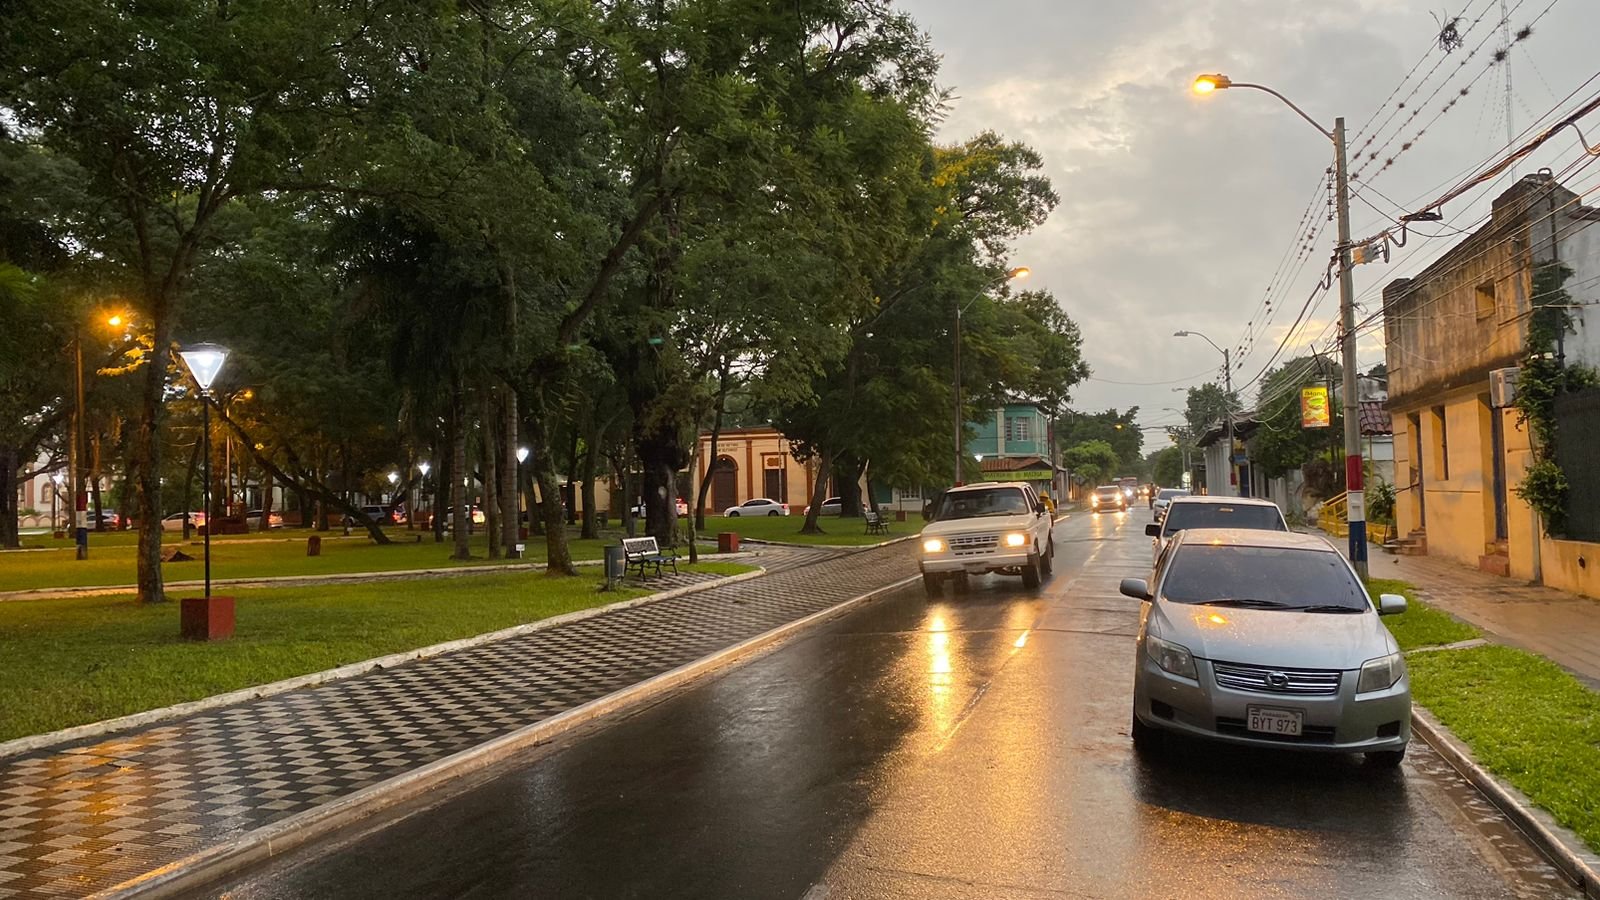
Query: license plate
[[1273, 721]]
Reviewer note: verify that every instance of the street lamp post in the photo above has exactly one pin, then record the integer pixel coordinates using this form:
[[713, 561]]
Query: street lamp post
[[1019, 272], [1356, 507], [1227, 401], [204, 362], [427, 499]]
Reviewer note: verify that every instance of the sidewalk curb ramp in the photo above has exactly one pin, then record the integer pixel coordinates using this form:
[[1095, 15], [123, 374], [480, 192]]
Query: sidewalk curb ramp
[[18, 746], [280, 837], [1565, 850]]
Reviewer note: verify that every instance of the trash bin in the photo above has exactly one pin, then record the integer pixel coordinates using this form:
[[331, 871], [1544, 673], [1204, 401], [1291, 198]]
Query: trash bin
[[314, 545], [727, 542], [616, 563]]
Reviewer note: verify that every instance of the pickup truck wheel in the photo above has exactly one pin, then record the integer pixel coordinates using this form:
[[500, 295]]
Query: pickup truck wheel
[[1030, 572], [1047, 561], [932, 585]]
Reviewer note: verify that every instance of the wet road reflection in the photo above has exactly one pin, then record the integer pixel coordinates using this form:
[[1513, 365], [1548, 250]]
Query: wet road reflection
[[975, 746]]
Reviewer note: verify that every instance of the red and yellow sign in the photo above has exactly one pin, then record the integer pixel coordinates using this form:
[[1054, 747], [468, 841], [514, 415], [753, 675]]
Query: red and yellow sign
[[1314, 412]]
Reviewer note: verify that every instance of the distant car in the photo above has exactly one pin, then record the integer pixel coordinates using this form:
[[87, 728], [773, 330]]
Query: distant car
[[833, 506], [1166, 496], [682, 508], [174, 522], [253, 519], [1213, 512], [1267, 639], [475, 511], [760, 506], [108, 517], [1108, 497]]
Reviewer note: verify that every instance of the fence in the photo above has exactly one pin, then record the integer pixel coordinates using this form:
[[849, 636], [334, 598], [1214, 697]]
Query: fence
[[1577, 436]]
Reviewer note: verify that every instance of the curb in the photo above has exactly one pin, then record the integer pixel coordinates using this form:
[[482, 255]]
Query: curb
[[1558, 844], [846, 547], [21, 745], [263, 843], [312, 580]]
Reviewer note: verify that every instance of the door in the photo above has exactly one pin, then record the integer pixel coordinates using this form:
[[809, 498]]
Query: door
[[724, 484], [1414, 420], [1497, 450], [774, 485]]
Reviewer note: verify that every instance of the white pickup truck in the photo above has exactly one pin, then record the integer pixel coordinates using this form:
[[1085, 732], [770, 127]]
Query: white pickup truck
[[983, 528]]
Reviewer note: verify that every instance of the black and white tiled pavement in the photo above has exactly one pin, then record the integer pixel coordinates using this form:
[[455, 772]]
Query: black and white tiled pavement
[[82, 818]]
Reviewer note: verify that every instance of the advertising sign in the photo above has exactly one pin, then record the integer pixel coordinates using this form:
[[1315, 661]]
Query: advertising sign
[[1314, 411]]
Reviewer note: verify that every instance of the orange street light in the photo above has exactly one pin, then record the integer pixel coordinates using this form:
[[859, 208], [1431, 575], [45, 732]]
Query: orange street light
[[1205, 84]]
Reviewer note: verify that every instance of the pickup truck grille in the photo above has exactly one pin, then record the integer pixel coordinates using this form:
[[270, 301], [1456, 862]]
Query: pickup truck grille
[[974, 544]]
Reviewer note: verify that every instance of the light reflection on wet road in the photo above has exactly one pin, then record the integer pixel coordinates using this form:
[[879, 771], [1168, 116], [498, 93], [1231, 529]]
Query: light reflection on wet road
[[968, 747]]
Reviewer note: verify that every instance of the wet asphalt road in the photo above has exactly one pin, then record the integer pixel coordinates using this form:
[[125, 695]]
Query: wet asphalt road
[[969, 747]]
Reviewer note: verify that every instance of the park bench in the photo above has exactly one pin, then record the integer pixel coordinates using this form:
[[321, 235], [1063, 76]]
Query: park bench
[[644, 552], [876, 523]]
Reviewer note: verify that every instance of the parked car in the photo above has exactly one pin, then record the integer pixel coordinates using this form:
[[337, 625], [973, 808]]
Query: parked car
[[474, 511], [760, 506], [174, 522], [107, 517], [833, 506], [253, 519], [1213, 512], [1164, 497], [682, 507], [1267, 639], [1108, 497], [987, 528]]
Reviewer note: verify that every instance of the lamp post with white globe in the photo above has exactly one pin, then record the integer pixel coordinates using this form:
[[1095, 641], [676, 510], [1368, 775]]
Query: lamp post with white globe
[[205, 363]]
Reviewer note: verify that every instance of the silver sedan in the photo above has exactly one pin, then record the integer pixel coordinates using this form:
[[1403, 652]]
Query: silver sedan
[[1267, 639]]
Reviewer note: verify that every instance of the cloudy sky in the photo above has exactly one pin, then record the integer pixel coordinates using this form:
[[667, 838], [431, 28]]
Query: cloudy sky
[[1176, 209]]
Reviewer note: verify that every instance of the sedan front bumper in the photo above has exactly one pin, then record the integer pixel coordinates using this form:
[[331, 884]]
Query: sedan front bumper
[[1341, 722]]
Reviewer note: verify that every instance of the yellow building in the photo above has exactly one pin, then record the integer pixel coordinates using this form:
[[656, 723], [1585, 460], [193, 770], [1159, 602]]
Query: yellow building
[[750, 463], [1455, 335]]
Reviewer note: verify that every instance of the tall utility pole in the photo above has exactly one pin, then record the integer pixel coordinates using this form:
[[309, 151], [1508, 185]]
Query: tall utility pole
[[1232, 487], [1357, 513], [79, 451]]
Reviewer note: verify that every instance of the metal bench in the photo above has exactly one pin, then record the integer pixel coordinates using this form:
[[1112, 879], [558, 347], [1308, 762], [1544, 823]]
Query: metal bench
[[876, 523], [644, 552]]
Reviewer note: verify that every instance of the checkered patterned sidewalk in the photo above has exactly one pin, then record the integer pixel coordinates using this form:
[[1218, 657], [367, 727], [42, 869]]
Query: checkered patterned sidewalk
[[83, 818]]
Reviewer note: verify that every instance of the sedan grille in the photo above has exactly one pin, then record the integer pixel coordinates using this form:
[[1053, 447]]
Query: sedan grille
[[1268, 680], [974, 544]]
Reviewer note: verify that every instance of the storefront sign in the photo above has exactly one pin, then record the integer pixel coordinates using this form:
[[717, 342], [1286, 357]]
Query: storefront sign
[[1041, 475], [1314, 411]]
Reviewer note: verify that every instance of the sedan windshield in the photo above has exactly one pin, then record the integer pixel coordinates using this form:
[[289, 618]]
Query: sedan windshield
[[1222, 515], [977, 504], [1263, 577]]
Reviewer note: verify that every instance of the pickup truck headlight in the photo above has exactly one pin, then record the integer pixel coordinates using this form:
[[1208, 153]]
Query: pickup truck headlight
[[1380, 674], [1016, 540], [1174, 658], [933, 545], [1094, 500]]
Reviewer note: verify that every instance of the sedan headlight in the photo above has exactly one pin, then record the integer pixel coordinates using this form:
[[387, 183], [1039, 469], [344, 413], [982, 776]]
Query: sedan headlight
[[1174, 658], [933, 545], [1380, 674], [1016, 540]]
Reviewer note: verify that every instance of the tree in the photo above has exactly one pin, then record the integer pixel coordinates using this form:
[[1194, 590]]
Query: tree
[[1091, 462], [1280, 444], [1166, 466], [1207, 405], [1118, 429]]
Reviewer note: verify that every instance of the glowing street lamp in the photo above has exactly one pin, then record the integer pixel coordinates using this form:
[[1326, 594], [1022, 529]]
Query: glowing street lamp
[[205, 363]]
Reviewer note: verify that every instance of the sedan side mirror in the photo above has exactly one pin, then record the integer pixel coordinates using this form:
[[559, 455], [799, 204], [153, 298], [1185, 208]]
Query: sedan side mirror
[[1153, 529], [1391, 604], [1137, 588]]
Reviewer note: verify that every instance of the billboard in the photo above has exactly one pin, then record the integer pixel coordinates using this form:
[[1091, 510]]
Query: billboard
[[1314, 411]]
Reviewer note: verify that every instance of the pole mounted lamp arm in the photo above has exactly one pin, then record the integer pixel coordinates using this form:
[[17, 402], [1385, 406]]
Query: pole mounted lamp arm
[[1205, 84], [1201, 337]]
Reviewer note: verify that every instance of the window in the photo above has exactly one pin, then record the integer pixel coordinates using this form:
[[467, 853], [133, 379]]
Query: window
[[1486, 303], [1019, 428], [1263, 576], [1441, 444], [913, 493]]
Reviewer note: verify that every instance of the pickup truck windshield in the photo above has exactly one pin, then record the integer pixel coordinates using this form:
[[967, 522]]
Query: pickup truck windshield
[[977, 504]]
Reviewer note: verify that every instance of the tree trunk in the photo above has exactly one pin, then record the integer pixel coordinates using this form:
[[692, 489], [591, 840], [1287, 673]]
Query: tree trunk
[[146, 457], [458, 478], [266, 502], [819, 493], [705, 466], [510, 473], [591, 468], [660, 457], [94, 485], [9, 466], [847, 476], [572, 468], [489, 452]]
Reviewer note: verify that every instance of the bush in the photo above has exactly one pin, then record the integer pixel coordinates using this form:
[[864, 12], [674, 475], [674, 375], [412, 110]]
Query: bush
[[1380, 508]]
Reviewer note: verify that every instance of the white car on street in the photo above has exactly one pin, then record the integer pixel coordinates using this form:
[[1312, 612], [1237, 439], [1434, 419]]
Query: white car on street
[[1213, 512], [1267, 639], [983, 528], [760, 506]]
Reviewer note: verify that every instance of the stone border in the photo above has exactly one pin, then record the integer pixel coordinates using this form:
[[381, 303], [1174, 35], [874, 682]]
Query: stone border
[[766, 543], [1564, 849], [261, 844], [21, 745]]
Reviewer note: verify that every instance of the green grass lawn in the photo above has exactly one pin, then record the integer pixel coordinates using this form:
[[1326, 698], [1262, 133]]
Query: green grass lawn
[[72, 661], [280, 553], [836, 531], [1526, 719], [1420, 625]]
